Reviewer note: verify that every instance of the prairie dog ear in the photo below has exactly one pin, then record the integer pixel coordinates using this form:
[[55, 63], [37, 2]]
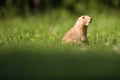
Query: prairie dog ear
[[78, 19]]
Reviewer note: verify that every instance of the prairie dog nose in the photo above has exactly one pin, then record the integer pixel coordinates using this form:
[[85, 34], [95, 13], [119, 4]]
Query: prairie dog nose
[[90, 20]]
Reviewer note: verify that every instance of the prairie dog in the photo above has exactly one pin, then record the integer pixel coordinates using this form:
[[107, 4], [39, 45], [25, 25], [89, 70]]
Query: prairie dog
[[78, 33]]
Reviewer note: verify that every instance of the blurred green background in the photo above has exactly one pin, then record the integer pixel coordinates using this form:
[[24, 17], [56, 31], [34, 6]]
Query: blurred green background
[[22, 7], [31, 33]]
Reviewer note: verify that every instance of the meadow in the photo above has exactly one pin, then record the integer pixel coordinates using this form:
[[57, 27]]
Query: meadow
[[47, 30], [31, 46]]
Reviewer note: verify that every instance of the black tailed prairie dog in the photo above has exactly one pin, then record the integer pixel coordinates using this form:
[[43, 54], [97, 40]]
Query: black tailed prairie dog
[[78, 33]]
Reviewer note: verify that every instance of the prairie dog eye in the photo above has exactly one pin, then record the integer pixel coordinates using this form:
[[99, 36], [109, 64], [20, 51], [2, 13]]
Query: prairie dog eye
[[83, 17]]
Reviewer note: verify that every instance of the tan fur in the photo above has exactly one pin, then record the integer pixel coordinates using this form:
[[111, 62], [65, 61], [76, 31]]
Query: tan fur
[[78, 33]]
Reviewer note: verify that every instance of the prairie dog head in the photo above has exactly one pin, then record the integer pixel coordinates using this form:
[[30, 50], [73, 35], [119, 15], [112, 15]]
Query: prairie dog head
[[84, 20]]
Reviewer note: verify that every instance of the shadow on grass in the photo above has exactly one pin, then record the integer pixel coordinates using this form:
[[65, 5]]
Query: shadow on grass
[[27, 64]]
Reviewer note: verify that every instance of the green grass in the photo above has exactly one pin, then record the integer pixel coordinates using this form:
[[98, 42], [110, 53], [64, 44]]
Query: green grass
[[31, 47], [47, 30]]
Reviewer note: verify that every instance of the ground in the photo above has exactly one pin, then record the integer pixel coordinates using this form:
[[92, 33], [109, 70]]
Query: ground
[[33, 45]]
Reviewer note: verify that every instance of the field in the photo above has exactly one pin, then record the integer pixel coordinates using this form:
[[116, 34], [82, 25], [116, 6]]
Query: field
[[31, 46], [47, 30]]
